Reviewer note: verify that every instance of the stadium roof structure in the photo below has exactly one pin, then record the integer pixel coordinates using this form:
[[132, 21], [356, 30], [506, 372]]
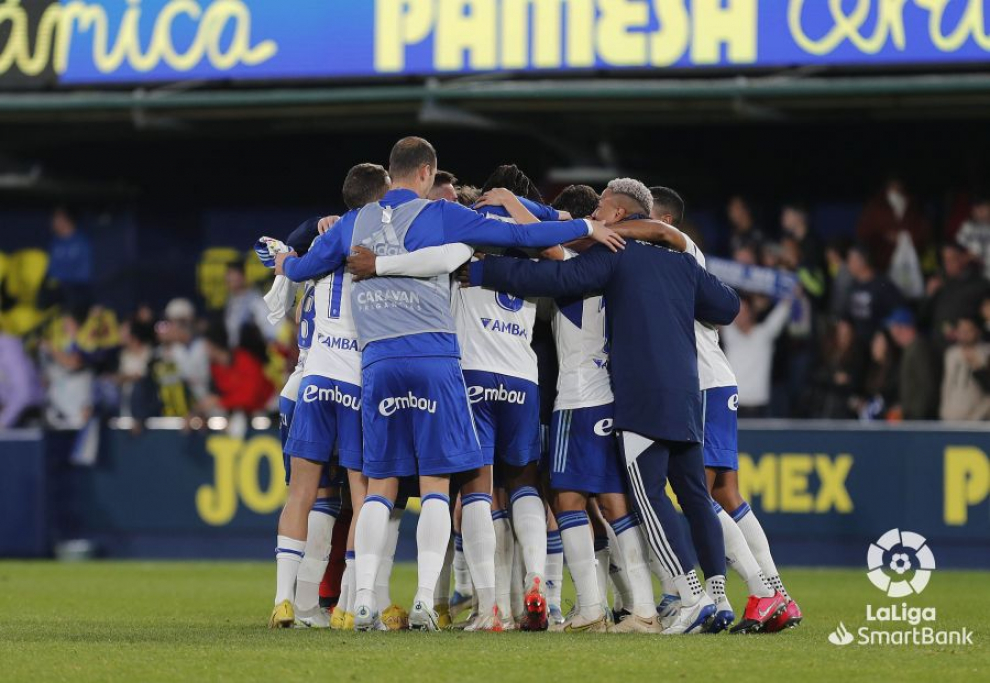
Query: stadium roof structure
[[795, 94]]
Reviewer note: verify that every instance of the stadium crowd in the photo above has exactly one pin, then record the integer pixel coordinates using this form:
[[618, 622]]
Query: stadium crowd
[[890, 324]]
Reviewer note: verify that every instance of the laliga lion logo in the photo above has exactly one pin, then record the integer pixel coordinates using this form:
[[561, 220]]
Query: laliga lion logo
[[894, 555]]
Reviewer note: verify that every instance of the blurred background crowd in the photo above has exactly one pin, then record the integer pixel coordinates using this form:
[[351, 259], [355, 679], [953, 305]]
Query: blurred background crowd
[[890, 320]]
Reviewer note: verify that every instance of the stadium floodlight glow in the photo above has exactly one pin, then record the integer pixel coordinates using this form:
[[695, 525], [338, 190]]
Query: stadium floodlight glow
[[261, 423]]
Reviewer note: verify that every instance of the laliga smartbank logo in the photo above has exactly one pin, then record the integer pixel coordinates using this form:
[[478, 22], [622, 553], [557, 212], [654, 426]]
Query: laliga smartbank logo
[[900, 564], [906, 551]]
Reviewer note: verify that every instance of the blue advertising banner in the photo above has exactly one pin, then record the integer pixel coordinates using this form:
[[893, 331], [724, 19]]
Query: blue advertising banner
[[135, 41], [822, 491]]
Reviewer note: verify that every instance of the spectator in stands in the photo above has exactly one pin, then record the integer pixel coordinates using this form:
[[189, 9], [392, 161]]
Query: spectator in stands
[[957, 293], [884, 217], [69, 380], [880, 384], [917, 374], [183, 348], [137, 398], [838, 375], [966, 381], [238, 374], [802, 251], [840, 279], [872, 297], [975, 233], [21, 393], [244, 305], [443, 187], [749, 348], [70, 262], [742, 226]]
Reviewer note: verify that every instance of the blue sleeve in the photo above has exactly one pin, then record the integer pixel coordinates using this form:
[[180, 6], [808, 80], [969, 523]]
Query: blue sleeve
[[714, 301], [461, 224], [326, 254], [541, 211], [302, 237], [589, 272]]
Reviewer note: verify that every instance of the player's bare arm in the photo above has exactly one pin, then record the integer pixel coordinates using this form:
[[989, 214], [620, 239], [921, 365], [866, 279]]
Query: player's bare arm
[[361, 263], [654, 231]]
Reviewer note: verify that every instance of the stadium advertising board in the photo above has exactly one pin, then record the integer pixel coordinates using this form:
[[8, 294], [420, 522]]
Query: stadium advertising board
[[81, 42], [822, 494]]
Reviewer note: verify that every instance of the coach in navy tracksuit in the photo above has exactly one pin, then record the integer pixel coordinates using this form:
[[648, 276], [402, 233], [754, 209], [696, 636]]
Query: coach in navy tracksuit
[[653, 296]]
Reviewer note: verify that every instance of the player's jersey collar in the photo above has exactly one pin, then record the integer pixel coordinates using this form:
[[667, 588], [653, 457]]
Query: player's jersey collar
[[397, 197]]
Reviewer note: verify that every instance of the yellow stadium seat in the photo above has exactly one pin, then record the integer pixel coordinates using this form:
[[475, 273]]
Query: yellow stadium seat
[[210, 275], [25, 274], [21, 319]]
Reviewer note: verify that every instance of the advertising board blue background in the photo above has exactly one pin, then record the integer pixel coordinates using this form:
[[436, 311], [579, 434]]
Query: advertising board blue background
[[822, 494], [265, 39]]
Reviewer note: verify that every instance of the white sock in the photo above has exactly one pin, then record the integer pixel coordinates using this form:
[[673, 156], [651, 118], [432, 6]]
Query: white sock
[[555, 567], [622, 597], [689, 588], [462, 575], [751, 528], [442, 594], [658, 570], [383, 579], [715, 587], [504, 542], [632, 550], [517, 593], [740, 557], [432, 537], [317, 554], [370, 538], [579, 551], [347, 587], [529, 520], [288, 556], [479, 538], [603, 561]]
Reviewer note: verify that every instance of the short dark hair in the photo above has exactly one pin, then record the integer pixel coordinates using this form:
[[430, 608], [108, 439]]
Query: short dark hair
[[365, 183], [578, 200], [514, 180], [408, 154], [444, 178], [669, 201]]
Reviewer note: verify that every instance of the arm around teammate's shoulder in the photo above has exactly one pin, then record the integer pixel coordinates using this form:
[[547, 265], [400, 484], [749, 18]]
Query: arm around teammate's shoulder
[[714, 301]]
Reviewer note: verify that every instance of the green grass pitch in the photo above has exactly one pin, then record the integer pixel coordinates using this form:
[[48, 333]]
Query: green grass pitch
[[151, 621]]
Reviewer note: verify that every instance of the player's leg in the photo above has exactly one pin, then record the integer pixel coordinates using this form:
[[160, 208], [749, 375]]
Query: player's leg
[[292, 531], [479, 536], [446, 443], [647, 463], [370, 540], [393, 616], [529, 522], [432, 538], [343, 616], [330, 586], [726, 488], [463, 587], [555, 570], [505, 543], [321, 521], [603, 558], [442, 594], [631, 548], [570, 509], [518, 449]]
